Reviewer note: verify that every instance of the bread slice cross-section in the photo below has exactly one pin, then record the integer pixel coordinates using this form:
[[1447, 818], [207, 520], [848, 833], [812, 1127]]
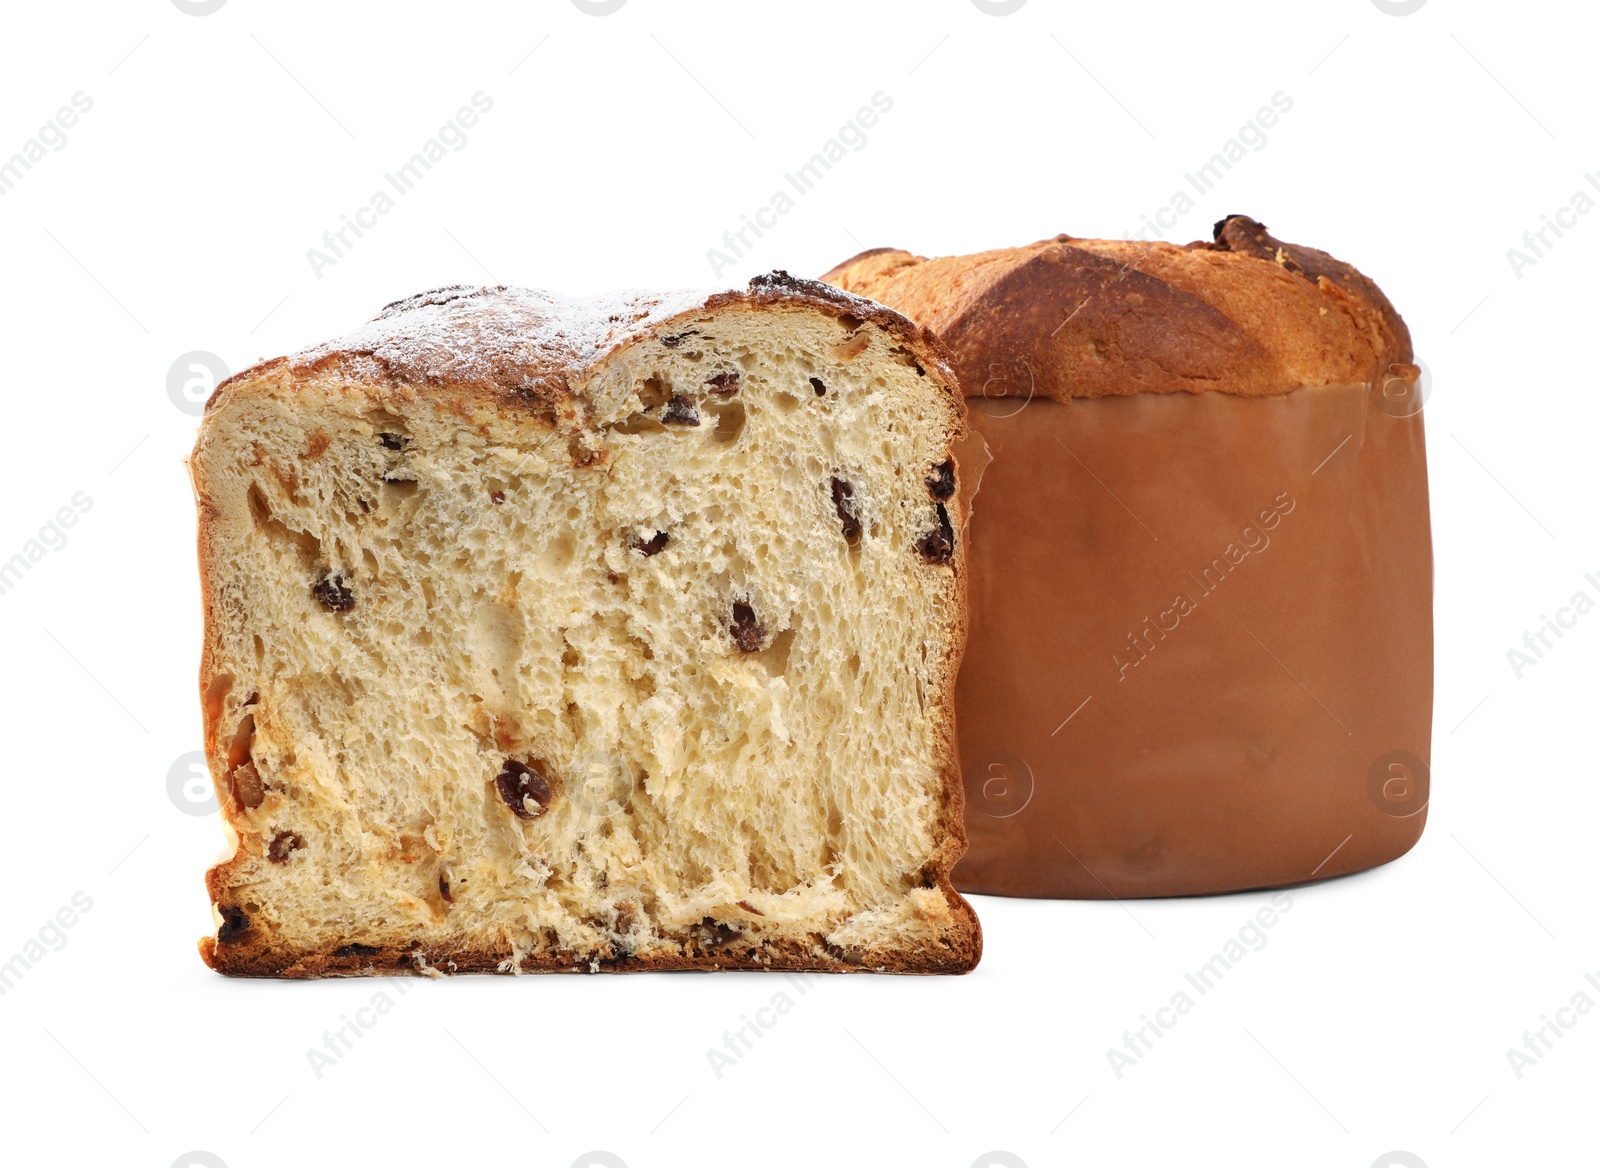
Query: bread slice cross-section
[[613, 634]]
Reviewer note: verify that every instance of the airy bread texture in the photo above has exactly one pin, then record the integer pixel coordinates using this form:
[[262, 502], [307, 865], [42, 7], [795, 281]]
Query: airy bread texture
[[605, 635]]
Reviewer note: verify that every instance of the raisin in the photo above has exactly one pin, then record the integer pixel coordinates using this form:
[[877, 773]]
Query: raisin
[[816, 384], [331, 593], [779, 280], [680, 411], [394, 441], [284, 843], [234, 922], [750, 908], [1242, 234], [248, 789], [943, 483], [497, 497], [677, 339], [746, 630], [444, 890], [939, 545], [521, 781], [712, 933], [651, 546], [845, 506], [724, 384], [357, 949]]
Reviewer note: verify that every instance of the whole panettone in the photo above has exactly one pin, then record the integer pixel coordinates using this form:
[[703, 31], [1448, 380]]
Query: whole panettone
[[1201, 646]]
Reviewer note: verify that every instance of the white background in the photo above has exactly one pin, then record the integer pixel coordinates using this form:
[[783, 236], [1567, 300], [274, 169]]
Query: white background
[[177, 217]]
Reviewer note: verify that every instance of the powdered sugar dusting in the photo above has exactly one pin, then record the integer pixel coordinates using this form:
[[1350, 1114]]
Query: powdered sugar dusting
[[518, 339], [527, 342]]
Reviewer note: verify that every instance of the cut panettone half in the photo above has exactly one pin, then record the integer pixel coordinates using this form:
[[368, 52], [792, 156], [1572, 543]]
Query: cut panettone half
[[616, 634]]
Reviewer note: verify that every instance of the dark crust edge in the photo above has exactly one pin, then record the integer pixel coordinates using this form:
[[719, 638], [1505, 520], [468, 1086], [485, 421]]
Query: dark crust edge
[[960, 953], [1243, 235], [961, 946]]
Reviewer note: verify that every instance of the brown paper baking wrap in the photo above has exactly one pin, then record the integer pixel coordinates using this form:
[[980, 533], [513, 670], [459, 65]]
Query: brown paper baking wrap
[[1201, 648]]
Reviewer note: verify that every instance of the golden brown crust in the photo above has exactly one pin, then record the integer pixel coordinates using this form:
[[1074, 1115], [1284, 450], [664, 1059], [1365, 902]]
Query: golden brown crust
[[1063, 318], [520, 350]]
